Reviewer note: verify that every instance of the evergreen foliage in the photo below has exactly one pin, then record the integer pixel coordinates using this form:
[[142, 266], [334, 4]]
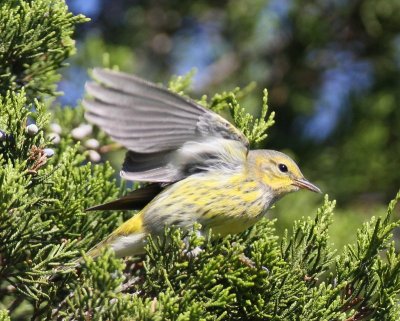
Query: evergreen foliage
[[35, 41], [252, 276]]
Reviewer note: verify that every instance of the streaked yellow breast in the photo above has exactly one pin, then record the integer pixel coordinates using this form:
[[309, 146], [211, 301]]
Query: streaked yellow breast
[[226, 203]]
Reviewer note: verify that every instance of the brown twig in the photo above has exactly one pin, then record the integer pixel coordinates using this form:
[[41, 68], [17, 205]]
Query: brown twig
[[39, 158]]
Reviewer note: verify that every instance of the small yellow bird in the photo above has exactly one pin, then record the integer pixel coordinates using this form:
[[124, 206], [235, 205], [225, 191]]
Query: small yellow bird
[[199, 165]]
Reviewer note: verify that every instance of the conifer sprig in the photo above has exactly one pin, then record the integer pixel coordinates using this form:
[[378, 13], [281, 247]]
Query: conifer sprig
[[36, 38]]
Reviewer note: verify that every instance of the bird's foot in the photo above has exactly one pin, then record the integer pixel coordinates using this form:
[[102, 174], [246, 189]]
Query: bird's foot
[[250, 263]]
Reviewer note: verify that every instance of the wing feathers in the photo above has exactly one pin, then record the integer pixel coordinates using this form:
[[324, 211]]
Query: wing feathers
[[135, 86], [125, 116], [160, 175], [112, 98], [156, 126]]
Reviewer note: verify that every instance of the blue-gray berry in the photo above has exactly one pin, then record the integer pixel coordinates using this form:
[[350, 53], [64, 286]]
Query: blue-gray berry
[[94, 156], [92, 143], [49, 152], [32, 129], [55, 138], [55, 128], [82, 131]]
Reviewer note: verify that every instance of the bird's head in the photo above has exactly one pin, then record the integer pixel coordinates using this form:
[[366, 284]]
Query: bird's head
[[279, 172]]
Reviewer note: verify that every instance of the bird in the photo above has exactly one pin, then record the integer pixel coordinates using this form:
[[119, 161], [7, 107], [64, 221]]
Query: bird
[[197, 166]]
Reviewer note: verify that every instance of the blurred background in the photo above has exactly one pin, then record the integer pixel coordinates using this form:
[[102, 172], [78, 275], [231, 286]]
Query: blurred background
[[332, 69]]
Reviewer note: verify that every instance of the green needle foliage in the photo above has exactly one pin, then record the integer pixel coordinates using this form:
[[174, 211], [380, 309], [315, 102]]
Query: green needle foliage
[[35, 41], [45, 186]]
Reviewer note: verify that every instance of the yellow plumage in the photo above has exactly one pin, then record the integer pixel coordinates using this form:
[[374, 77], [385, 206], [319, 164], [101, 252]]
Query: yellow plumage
[[203, 199], [210, 175]]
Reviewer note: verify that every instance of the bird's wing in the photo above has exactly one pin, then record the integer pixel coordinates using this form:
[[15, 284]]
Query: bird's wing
[[134, 200], [168, 136]]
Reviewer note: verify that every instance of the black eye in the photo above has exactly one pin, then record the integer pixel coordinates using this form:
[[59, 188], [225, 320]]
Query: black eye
[[283, 168]]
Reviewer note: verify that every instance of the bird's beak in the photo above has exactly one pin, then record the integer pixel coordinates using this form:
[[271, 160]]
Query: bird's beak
[[303, 183]]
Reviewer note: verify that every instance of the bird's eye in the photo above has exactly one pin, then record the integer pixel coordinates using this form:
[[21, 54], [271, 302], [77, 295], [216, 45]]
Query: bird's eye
[[283, 168]]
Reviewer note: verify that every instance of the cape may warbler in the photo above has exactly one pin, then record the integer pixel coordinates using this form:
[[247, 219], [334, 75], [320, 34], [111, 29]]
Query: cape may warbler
[[199, 165]]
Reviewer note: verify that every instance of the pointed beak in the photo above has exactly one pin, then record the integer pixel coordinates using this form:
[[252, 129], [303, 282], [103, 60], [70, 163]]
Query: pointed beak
[[305, 184]]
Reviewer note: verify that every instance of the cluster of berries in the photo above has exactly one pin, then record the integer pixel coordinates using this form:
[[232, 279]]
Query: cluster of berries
[[79, 133]]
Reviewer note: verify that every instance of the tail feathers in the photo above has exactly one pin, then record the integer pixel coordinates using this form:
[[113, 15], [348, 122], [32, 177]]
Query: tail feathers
[[132, 201], [96, 250], [57, 274], [127, 240]]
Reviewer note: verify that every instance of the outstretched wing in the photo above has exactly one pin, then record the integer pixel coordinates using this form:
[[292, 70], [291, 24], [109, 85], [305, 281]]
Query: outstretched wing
[[168, 136]]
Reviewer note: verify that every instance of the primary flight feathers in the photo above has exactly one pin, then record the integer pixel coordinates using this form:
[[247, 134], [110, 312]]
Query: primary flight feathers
[[168, 137]]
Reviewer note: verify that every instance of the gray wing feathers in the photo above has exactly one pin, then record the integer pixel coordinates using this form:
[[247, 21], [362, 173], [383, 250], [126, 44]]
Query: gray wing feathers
[[152, 167], [138, 87], [140, 123], [156, 125]]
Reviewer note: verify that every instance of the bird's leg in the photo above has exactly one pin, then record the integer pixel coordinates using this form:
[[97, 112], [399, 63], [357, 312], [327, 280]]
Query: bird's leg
[[249, 262]]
